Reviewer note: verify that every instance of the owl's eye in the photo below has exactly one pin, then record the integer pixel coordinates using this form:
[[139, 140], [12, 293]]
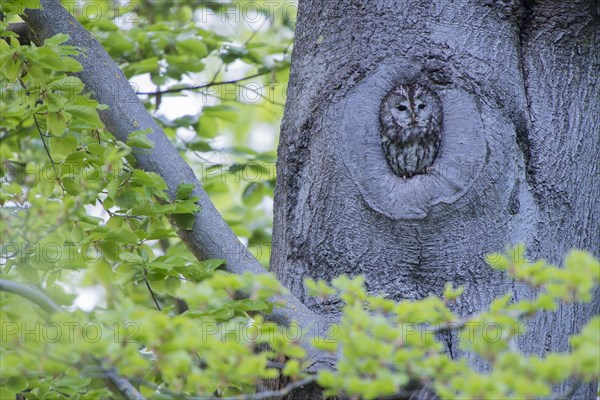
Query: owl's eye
[[422, 106], [402, 108]]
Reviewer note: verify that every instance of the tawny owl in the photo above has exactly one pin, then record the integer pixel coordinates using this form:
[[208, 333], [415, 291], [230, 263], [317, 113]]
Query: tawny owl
[[411, 127]]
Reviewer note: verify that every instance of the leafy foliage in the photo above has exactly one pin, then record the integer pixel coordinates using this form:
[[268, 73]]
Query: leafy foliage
[[384, 345], [77, 214]]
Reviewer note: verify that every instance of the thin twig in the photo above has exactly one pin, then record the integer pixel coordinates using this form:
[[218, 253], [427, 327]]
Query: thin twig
[[254, 32], [206, 85], [48, 153], [150, 290]]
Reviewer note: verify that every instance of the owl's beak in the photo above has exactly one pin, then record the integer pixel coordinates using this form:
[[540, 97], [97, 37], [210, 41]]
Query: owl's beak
[[413, 119]]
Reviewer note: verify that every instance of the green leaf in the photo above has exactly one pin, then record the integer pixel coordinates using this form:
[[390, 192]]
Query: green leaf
[[450, 293], [126, 198], [69, 84], [253, 194], [88, 115], [71, 186], [221, 111], [184, 191], [121, 235], [211, 265], [53, 277], [148, 179], [71, 385], [117, 43], [29, 273], [140, 139], [62, 146], [196, 47], [72, 65], [57, 39], [326, 378], [49, 58], [11, 66], [57, 123], [16, 384], [184, 221], [141, 67], [200, 146], [292, 368]]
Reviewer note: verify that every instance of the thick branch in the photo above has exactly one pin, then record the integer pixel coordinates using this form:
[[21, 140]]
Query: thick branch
[[210, 236]]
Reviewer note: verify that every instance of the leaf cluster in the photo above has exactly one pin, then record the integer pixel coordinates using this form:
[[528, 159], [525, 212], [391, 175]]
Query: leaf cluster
[[384, 346]]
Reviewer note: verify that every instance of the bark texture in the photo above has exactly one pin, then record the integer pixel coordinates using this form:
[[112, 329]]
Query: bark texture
[[519, 159]]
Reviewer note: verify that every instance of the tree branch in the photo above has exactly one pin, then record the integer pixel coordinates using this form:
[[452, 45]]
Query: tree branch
[[33, 294], [205, 86], [121, 385], [267, 394], [210, 236]]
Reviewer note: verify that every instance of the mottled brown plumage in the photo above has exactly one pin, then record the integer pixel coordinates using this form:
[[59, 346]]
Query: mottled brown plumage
[[411, 128]]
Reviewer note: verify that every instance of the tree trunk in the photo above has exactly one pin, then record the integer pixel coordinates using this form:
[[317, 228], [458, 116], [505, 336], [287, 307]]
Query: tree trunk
[[518, 160]]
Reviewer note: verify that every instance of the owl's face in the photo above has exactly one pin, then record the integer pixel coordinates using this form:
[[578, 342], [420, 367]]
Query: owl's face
[[411, 106]]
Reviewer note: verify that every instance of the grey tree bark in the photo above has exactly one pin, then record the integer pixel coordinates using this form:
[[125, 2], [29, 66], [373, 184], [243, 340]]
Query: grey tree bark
[[519, 159]]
